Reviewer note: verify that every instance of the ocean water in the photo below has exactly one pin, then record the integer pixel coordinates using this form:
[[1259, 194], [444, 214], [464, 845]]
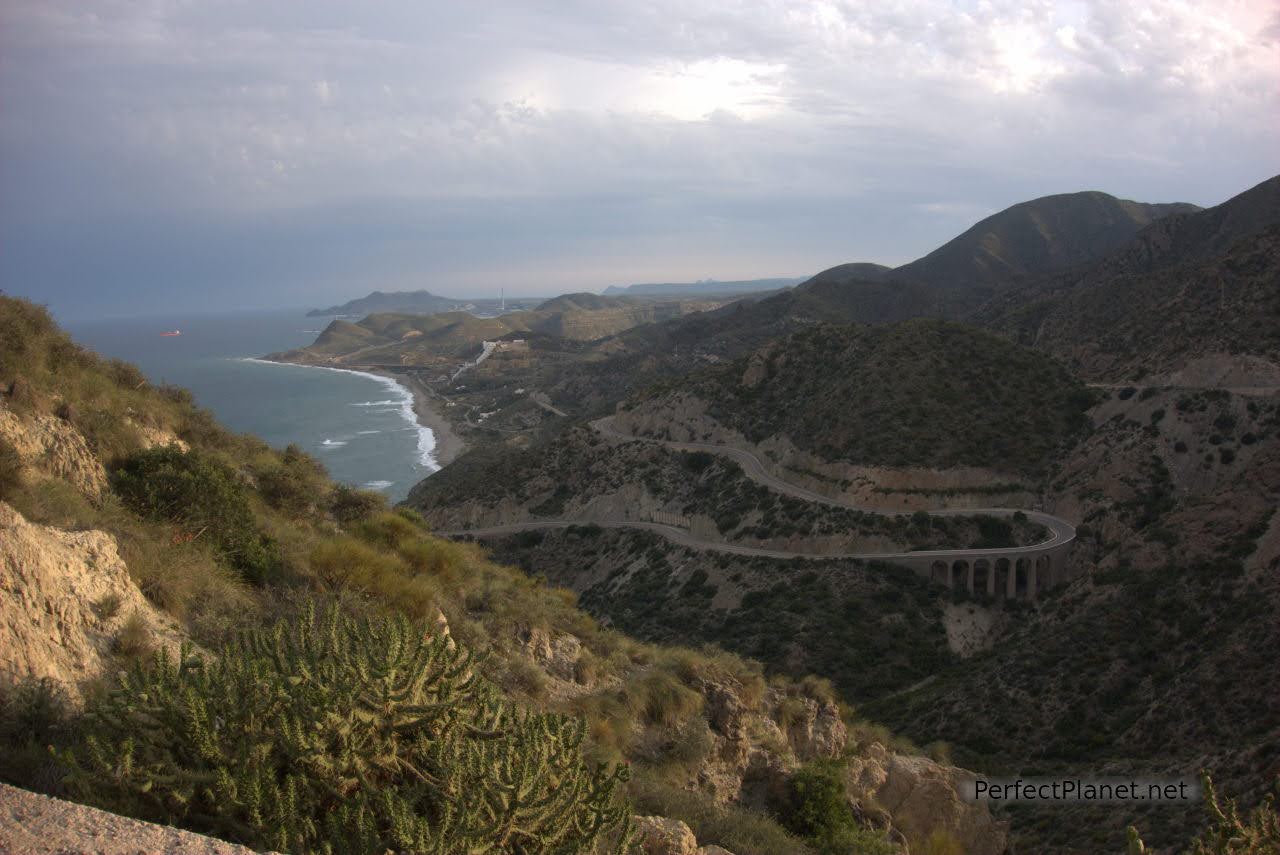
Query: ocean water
[[360, 426]]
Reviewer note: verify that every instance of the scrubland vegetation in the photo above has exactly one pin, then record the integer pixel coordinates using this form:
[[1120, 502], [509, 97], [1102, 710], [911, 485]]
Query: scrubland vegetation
[[240, 543], [918, 393]]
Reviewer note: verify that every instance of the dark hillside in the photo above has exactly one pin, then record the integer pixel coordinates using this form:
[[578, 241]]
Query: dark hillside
[[1191, 286], [1036, 237], [919, 393]]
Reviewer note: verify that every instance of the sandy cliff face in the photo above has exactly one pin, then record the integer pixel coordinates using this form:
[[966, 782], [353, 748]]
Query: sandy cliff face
[[64, 598], [51, 447]]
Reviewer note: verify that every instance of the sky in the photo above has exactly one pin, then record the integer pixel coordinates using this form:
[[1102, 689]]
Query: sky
[[179, 155]]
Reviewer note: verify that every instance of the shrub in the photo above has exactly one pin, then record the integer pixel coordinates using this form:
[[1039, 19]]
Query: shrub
[[738, 829], [133, 641], [337, 734], [34, 714], [1228, 832], [817, 808], [293, 484], [350, 505], [287, 490], [993, 532], [10, 469], [203, 496], [660, 699]]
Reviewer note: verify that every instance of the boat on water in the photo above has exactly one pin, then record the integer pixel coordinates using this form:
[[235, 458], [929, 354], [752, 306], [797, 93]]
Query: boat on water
[[171, 333]]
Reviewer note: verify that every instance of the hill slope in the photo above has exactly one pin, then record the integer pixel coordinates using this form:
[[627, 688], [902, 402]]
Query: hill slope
[[1194, 291], [708, 288], [919, 393], [1036, 237], [224, 535]]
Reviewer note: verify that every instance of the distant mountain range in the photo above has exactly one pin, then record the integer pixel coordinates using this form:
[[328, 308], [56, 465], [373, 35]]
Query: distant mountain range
[[419, 302], [706, 287]]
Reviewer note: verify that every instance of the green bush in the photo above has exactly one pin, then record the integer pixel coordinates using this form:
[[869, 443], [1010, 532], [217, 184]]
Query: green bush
[[817, 808], [350, 505], [205, 498], [338, 734], [293, 485]]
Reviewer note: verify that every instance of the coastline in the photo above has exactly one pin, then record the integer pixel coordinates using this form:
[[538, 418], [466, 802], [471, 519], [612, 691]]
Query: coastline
[[448, 444], [444, 444]]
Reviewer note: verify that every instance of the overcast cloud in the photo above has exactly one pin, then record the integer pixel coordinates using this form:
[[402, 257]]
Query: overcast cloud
[[177, 154]]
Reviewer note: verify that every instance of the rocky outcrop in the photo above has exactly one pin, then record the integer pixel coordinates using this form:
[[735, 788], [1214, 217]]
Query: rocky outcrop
[[557, 654], [920, 800], [64, 599], [52, 447], [153, 437], [658, 835], [819, 732]]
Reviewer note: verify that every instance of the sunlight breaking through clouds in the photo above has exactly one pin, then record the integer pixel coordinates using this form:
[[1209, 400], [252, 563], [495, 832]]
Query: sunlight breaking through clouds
[[722, 139]]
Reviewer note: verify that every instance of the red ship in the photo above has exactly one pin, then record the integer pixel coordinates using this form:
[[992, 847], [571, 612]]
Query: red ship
[[172, 332]]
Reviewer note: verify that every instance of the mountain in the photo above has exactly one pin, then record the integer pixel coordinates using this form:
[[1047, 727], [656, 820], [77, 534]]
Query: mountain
[[582, 301], [1040, 236], [1158, 659], [956, 379], [1023, 242], [441, 339], [419, 302], [707, 287], [396, 301], [1190, 298]]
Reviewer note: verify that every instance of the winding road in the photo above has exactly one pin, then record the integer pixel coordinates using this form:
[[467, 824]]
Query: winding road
[[1061, 532]]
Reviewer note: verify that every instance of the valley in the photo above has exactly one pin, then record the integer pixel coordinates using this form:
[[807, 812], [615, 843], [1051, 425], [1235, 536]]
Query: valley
[[1022, 514], [1127, 389], [633, 428]]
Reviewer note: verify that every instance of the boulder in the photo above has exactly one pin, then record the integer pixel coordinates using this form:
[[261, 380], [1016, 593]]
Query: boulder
[[658, 835], [922, 800]]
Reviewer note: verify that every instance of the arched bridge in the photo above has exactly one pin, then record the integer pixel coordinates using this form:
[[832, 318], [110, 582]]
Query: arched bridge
[[1016, 572]]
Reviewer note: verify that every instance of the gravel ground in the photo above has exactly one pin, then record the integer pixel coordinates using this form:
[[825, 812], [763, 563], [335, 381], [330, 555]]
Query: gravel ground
[[31, 824]]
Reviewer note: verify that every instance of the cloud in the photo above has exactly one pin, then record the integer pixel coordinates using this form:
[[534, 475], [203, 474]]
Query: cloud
[[486, 141]]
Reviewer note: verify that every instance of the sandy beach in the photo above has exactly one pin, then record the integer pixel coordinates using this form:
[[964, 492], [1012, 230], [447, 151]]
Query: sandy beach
[[448, 444]]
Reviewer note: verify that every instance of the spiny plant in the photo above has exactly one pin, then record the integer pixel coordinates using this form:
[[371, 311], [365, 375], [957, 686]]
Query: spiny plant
[[332, 733], [1228, 833]]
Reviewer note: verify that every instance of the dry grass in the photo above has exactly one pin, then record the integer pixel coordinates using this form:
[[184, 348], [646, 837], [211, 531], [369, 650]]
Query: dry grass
[[134, 641]]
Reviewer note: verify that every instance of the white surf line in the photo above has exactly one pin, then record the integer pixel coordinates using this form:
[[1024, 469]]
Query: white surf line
[[403, 404]]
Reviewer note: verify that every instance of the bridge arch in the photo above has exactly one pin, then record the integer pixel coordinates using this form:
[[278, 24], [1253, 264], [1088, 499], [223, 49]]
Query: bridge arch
[[1023, 570], [940, 573], [1000, 576], [981, 576]]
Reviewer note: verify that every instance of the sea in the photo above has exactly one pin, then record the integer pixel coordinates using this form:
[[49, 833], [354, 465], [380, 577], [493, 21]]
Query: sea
[[360, 426]]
